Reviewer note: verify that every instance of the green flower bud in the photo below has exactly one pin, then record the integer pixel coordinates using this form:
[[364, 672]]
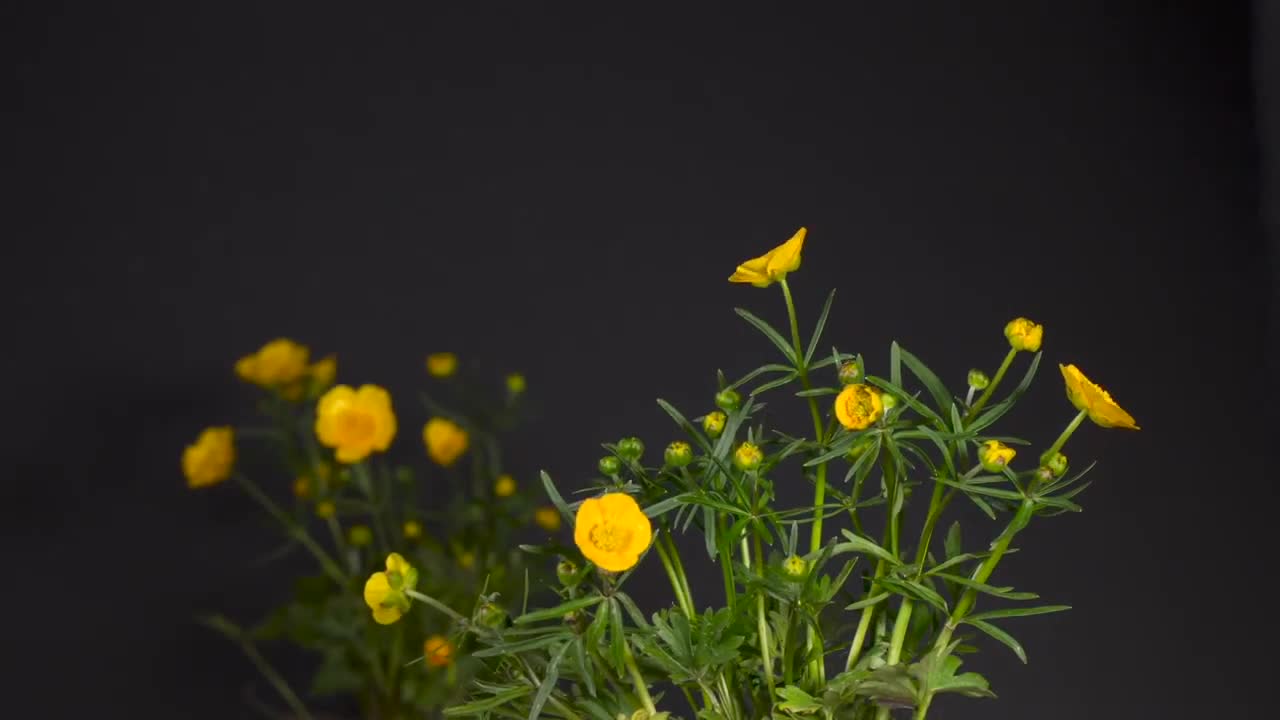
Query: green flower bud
[[567, 573], [609, 465], [678, 454], [747, 457], [795, 567], [360, 536], [978, 380], [713, 423], [490, 615], [630, 449], [859, 448], [850, 373], [888, 401], [1057, 464], [728, 400], [1044, 476]]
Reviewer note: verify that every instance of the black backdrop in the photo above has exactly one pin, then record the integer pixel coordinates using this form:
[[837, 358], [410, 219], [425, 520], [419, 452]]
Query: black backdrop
[[564, 193]]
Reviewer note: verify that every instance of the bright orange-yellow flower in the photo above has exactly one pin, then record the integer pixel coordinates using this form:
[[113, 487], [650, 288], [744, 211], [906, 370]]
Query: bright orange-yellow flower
[[208, 461], [612, 531], [384, 592], [276, 364], [446, 441], [442, 364], [1093, 400], [438, 651], [1023, 334], [858, 406], [355, 423], [774, 265]]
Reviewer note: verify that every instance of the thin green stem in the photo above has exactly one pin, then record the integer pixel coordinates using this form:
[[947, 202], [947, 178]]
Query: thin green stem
[[991, 387], [676, 587], [820, 484], [679, 566], [637, 680], [1066, 434], [923, 710], [294, 530], [762, 624]]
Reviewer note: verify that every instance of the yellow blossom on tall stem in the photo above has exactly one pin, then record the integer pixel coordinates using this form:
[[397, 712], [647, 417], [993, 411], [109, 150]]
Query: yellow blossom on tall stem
[[279, 363], [1092, 400], [442, 364], [446, 441], [1024, 335], [412, 530], [612, 531], [858, 406], [323, 372], [210, 459], [774, 265], [547, 518], [384, 592], [504, 486], [995, 455], [438, 651], [355, 423]]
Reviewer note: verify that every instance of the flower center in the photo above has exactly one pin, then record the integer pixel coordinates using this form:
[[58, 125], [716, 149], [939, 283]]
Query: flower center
[[354, 425], [609, 537]]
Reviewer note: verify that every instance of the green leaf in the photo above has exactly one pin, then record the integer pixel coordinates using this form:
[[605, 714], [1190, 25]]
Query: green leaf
[[555, 497], [857, 543], [1001, 592], [1018, 612], [907, 399], [664, 506], [787, 351], [771, 367], [867, 602], [554, 636], [798, 701], [838, 447], [817, 392], [559, 611], [953, 544], [927, 377], [548, 683], [774, 383], [1057, 502], [480, 707], [895, 365], [982, 490], [915, 591], [817, 330], [995, 412], [1000, 635]]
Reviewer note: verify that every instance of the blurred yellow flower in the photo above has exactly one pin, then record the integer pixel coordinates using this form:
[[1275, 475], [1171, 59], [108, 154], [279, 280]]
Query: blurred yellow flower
[[1093, 400], [442, 364], [547, 518], [323, 372], [302, 487], [384, 592], [276, 364], [612, 531], [446, 441], [858, 406], [355, 422], [437, 651], [325, 509], [515, 383], [504, 486], [995, 455], [209, 460], [360, 536], [1024, 334], [412, 529], [774, 265]]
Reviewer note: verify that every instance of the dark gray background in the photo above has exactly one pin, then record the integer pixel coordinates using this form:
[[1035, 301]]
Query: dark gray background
[[564, 192]]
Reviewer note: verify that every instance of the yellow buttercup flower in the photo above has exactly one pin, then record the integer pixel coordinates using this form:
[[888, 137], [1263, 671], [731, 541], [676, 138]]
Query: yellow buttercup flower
[[774, 265], [1092, 399], [302, 487], [547, 518], [276, 364], [412, 529], [323, 372], [713, 423], [355, 423], [442, 364], [438, 651], [384, 592], [748, 456], [995, 455], [325, 509], [858, 406], [209, 460], [612, 531], [1024, 334], [446, 441], [504, 486]]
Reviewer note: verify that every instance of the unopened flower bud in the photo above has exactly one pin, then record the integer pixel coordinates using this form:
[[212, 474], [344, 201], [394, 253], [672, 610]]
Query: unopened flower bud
[[713, 423], [1057, 464], [516, 383], [412, 529], [978, 380], [678, 454], [850, 373], [630, 449], [325, 509], [888, 401], [360, 535], [609, 465], [567, 573], [490, 615], [747, 457], [795, 567], [995, 456], [728, 400], [1024, 334]]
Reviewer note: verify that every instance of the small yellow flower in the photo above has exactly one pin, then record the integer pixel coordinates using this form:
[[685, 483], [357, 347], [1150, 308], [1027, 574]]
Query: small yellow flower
[[302, 487], [446, 441], [995, 455], [1024, 334], [442, 364], [209, 460], [504, 486], [438, 651], [858, 406], [612, 531], [360, 536], [323, 372], [748, 456], [547, 518], [713, 423], [384, 592], [412, 529], [355, 422], [515, 383], [1095, 401], [774, 265], [466, 559], [276, 364], [795, 566], [325, 509]]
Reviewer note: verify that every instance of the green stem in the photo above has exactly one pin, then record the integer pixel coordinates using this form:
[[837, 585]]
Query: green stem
[[762, 624], [924, 707], [1066, 434], [365, 481], [991, 387], [820, 485], [637, 680], [294, 530], [432, 602], [864, 622], [277, 681], [676, 587], [679, 565]]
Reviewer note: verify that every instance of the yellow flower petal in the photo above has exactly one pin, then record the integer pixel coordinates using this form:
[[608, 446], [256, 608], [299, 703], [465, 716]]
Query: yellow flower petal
[[858, 406], [211, 458], [612, 531], [355, 423], [376, 589], [387, 616], [1089, 397], [774, 265], [446, 441]]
